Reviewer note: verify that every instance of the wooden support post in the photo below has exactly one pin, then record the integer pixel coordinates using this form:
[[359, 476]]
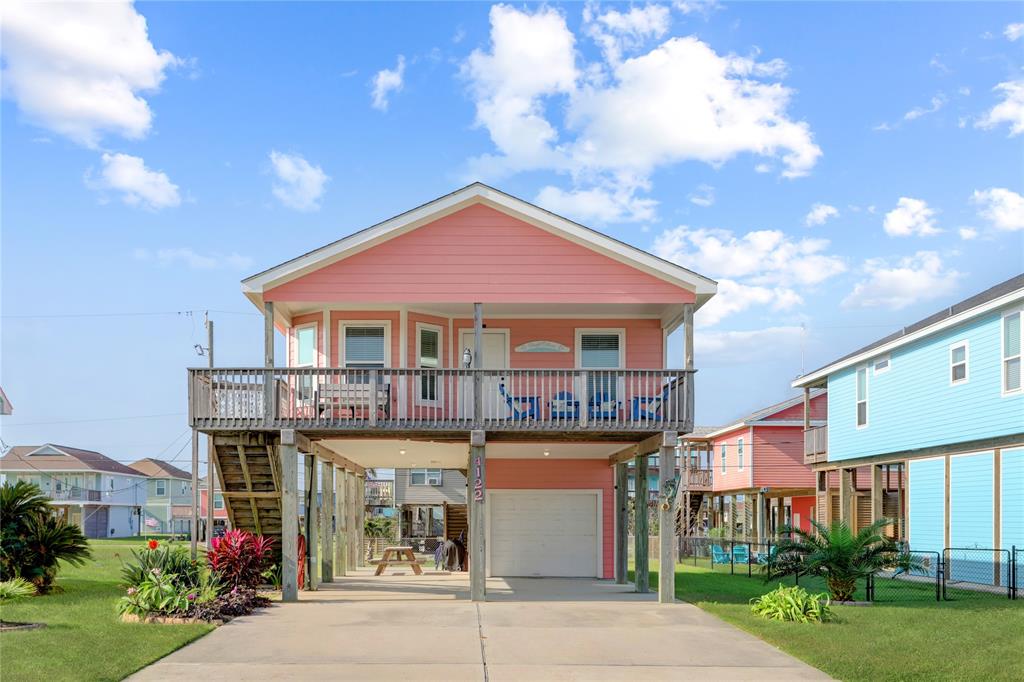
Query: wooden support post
[[807, 408], [477, 516], [353, 536], [621, 523], [877, 492], [846, 497], [759, 518], [734, 505], [327, 522], [360, 503], [312, 524], [641, 555], [340, 522], [211, 481], [195, 494], [478, 350], [780, 518], [688, 365], [268, 360], [668, 548], [289, 456]]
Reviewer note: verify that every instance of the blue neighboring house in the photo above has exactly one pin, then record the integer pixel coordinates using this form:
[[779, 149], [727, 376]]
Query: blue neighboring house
[[940, 404]]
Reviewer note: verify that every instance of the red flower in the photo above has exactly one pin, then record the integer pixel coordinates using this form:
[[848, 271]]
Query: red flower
[[153, 544]]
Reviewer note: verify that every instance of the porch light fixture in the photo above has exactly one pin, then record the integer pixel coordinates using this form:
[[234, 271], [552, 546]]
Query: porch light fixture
[[467, 358], [547, 452], [401, 452]]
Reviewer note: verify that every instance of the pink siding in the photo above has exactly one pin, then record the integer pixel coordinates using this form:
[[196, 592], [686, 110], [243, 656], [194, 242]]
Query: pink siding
[[442, 322], [803, 506], [819, 410], [733, 478], [547, 474], [779, 458], [480, 254], [337, 317], [293, 350]]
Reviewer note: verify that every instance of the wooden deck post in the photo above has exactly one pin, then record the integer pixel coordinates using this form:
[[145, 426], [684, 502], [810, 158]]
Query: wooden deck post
[[759, 518], [846, 496], [360, 502], [339, 523], [780, 518], [350, 497], [621, 523], [327, 522], [877, 492], [195, 494], [688, 364], [668, 549], [289, 455], [641, 532], [211, 482], [268, 360], [312, 524], [477, 516], [478, 362]]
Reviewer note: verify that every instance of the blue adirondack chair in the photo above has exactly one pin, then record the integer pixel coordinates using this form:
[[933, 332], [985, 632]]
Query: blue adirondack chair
[[650, 407], [762, 558], [603, 406], [741, 554], [565, 406], [719, 555], [523, 407]]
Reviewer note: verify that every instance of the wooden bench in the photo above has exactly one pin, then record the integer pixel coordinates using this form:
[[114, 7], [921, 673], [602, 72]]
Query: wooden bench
[[352, 397], [394, 555]]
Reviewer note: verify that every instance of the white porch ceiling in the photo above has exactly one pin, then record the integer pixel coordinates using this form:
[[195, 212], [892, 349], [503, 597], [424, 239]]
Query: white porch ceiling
[[402, 454]]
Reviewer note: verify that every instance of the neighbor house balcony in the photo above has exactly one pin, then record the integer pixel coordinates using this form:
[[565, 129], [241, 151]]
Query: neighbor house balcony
[[75, 494], [380, 493], [816, 444], [610, 403], [697, 480]]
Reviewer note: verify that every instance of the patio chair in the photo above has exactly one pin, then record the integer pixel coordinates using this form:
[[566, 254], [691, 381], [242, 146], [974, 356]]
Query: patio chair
[[523, 407], [649, 408], [741, 554], [762, 558], [603, 406], [565, 406], [719, 555]]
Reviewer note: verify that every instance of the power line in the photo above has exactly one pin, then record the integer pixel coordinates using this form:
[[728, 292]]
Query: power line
[[127, 314], [102, 419]]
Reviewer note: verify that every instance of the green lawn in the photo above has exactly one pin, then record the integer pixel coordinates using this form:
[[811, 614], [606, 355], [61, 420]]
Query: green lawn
[[84, 638], [918, 639]]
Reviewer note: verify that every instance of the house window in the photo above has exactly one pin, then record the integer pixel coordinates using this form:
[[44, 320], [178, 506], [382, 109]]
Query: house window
[[161, 487], [424, 477], [723, 458], [305, 346], [1011, 352], [601, 349], [958, 363], [862, 397], [364, 346], [218, 501], [184, 487], [882, 364], [739, 453], [428, 353]]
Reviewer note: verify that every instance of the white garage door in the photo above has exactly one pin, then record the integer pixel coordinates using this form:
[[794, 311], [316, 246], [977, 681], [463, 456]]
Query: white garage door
[[544, 533]]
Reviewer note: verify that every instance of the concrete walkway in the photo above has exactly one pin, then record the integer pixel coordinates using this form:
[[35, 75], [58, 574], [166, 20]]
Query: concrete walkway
[[405, 627]]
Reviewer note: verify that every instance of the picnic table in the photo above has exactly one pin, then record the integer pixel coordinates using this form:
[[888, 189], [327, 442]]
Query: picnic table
[[398, 555]]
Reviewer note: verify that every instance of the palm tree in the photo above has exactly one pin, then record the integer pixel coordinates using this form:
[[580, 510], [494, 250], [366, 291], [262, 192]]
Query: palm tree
[[836, 554]]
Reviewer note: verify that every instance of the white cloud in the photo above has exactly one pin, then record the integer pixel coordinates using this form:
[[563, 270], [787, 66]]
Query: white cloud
[[704, 7], [617, 32], [936, 63], [936, 103], [599, 205], [138, 185], [386, 82], [624, 119], [734, 297], [967, 233], [194, 260], [910, 217], [1010, 110], [299, 184], [1002, 207], [760, 257], [704, 195], [78, 68], [1014, 31], [820, 214], [744, 347], [909, 280]]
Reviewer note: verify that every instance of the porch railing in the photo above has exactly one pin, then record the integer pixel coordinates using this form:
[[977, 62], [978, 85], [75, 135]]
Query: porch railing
[[75, 494], [698, 479], [497, 400], [815, 443]]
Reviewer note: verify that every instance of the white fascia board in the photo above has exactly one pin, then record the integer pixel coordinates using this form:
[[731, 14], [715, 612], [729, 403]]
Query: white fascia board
[[859, 358], [703, 287]]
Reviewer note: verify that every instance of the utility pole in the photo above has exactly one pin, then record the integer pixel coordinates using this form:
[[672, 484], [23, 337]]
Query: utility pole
[[210, 454]]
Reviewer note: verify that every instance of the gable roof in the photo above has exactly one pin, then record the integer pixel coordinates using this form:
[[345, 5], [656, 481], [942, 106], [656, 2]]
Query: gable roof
[[994, 297], [51, 457], [158, 468], [703, 287], [761, 417]]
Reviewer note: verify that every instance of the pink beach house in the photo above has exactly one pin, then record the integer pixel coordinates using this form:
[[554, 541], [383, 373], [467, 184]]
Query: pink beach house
[[475, 332]]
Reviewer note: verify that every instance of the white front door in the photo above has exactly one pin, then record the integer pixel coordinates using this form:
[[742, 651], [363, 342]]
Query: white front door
[[494, 344], [544, 533]]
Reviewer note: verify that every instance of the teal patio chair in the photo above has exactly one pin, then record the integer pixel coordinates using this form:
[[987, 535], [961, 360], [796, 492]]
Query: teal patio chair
[[719, 555], [741, 554]]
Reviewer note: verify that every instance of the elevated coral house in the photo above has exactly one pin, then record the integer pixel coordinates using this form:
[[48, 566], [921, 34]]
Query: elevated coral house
[[476, 332]]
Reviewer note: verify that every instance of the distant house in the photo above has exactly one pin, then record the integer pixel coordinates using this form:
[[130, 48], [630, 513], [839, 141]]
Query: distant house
[[221, 520], [380, 497], [102, 496], [431, 503], [939, 405], [169, 498]]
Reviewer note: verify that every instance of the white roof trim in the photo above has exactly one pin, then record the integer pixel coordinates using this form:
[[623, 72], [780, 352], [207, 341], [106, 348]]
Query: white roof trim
[[815, 377], [761, 422], [47, 449], [703, 287]]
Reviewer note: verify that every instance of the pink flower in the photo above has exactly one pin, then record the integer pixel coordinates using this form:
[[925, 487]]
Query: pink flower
[[131, 591]]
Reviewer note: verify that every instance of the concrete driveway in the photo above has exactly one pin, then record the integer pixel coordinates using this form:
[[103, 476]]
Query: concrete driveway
[[405, 627]]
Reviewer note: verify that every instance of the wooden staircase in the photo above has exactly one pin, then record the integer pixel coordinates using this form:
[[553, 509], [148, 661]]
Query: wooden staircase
[[696, 502], [249, 474], [456, 520]]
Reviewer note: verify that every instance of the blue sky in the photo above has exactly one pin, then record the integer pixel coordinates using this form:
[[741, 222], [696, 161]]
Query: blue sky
[[842, 169]]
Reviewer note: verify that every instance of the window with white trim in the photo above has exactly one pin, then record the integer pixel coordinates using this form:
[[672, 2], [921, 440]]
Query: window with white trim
[[1011, 352], [305, 356], [882, 364], [601, 350], [424, 477], [218, 501], [428, 356], [862, 397], [364, 347], [161, 487], [958, 358], [739, 453], [723, 458]]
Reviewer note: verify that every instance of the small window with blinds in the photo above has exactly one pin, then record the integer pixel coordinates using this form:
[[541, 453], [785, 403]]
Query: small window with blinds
[[365, 347], [1011, 352], [601, 350], [428, 343], [958, 355]]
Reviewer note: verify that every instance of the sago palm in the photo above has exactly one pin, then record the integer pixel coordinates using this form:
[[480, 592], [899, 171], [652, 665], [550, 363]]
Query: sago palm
[[836, 554]]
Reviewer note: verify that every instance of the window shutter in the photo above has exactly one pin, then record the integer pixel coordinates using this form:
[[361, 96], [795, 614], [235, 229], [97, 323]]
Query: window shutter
[[364, 345], [599, 350], [429, 351]]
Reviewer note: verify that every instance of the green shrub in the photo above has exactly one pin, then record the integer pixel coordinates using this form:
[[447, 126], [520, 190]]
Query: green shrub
[[15, 588], [169, 559], [792, 604], [159, 594]]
